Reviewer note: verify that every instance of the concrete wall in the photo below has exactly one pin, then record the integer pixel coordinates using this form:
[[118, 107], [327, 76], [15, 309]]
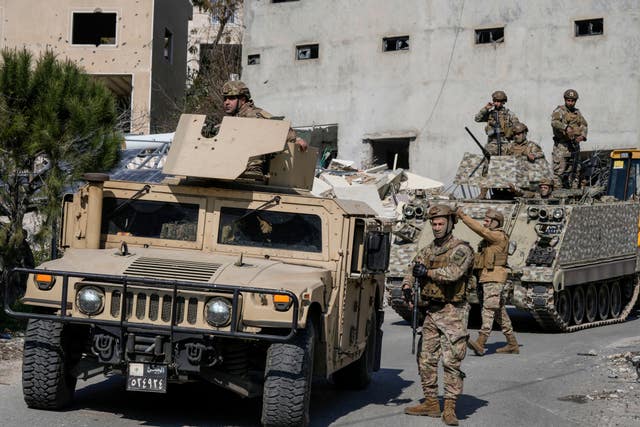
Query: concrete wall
[[435, 88], [40, 25]]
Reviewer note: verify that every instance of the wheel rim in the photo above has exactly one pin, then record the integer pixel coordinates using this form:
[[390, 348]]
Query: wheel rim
[[591, 303], [577, 304], [603, 301], [615, 299], [563, 306]]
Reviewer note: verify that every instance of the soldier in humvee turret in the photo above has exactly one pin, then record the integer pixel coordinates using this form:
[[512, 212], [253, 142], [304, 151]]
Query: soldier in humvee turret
[[238, 103]]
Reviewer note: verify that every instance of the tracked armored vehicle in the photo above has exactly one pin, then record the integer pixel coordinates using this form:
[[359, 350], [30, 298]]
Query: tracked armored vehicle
[[251, 284], [573, 257]]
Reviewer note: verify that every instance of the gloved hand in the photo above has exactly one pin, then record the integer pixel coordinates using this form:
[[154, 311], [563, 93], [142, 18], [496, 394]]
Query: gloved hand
[[419, 270], [408, 294]]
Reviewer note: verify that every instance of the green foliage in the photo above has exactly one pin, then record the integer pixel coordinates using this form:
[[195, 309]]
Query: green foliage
[[56, 123]]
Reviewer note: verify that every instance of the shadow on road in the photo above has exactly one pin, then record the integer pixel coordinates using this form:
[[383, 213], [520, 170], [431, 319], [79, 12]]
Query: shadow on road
[[467, 405], [203, 404]]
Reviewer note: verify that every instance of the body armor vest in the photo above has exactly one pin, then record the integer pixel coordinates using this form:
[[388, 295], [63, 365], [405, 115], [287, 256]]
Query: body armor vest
[[439, 258], [492, 256]]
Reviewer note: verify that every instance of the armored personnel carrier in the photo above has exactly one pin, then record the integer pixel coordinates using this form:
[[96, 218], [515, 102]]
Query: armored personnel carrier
[[573, 256], [250, 284]]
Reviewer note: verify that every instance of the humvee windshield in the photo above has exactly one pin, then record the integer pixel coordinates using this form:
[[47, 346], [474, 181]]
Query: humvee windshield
[[278, 230], [144, 218]]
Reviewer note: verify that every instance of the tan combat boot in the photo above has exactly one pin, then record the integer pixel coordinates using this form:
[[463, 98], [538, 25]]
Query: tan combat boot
[[512, 346], [449, 413], [478, 346], [430, 408]]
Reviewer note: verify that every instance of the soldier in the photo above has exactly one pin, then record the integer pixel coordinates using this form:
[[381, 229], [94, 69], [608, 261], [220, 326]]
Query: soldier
[[491, 260], [500, 121], [521, 146], [442, 269], [569, 130], [545, 190], [238, 103]]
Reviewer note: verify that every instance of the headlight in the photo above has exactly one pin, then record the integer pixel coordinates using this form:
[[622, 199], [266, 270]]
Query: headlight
[[558, 214], [532, 212], [218, 311], [90, 300]]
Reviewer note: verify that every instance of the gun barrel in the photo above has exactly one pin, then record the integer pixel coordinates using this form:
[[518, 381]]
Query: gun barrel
[[414, 317], [484, 150]]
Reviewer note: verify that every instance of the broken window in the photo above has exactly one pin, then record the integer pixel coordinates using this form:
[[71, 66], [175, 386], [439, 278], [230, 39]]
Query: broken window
[[121, 85], [94, 28], [282, 1], [307, 51], [490, 35], [253, 59], [590, 27], [390, 44], [168, 45], [390, 151], [322, 137]]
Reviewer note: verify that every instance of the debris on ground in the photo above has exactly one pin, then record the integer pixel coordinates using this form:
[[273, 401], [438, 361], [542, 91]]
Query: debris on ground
[[11, 349]]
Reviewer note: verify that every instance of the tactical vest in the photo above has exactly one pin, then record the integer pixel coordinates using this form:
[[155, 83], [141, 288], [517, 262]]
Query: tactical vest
[[492, 256], [505, 122], [439, 258]]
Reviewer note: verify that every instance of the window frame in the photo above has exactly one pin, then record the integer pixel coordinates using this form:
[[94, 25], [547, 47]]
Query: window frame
[[590, 21], [307, 45], [396, 38], [93, 12], [478, 31]]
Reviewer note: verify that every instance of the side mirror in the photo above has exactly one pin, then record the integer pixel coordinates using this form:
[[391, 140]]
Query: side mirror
[[377, 247]]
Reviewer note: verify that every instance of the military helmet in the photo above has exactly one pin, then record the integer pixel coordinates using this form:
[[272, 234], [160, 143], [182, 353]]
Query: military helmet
[[236, 88], [436, 211], [546, 181], [520, 127], [570, 94], [495, 215], [499, 96]]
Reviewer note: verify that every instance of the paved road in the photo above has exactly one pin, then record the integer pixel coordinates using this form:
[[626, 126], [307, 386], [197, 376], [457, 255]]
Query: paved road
[[543, 386]]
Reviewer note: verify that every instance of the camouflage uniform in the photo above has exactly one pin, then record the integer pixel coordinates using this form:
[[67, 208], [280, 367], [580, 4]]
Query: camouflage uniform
[[524, 149], [444, 332], [506, 120], [565, 146], [491, 261]]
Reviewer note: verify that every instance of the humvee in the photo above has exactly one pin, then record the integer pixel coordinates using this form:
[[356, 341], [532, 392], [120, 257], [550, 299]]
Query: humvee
[[253, 285]]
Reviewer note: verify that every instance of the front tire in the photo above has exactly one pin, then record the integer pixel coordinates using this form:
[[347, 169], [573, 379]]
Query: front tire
[[46, 381], [288, 377]]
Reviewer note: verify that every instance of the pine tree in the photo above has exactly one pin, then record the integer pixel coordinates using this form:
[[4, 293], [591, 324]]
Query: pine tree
[[56, 123]]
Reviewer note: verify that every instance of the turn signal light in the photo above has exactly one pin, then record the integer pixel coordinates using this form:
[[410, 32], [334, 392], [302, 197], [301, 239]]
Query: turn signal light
[[45, 281], [282, 302]]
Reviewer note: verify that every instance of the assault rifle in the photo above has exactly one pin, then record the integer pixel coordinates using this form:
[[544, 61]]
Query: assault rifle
[[485, 152], [496, 131], [414, 314]]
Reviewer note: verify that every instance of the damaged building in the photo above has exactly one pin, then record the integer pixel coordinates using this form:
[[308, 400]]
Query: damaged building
[[137, 48], [397, 80]]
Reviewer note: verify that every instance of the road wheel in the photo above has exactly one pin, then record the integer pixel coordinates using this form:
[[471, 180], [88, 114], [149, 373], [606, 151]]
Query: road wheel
[[591, 303], [603, 301], [563, 306], [357, 375], [46, 363], [577, 304], [288, 376], [615, 299]]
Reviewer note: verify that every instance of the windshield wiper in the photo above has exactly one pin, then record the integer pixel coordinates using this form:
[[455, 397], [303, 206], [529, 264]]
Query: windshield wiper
[[139, 193], [275, 200]]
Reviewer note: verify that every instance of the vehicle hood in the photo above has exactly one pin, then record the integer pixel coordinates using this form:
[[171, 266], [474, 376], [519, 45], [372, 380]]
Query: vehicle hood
[[190, 266]]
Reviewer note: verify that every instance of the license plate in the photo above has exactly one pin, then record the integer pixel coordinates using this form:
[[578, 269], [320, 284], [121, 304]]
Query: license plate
[[147, 377]]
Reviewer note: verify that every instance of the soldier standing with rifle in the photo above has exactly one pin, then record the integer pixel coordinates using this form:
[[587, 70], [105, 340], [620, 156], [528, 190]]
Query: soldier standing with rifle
[[569, 130], [442, 269], [491, 262], [500, 121]]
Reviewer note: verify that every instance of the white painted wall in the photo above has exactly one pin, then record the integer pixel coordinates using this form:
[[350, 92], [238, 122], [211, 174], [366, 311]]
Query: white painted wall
[[437, 86]]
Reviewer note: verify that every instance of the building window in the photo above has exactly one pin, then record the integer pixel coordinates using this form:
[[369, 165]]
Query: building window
[[168, 45], [390, 152], [390, 44], [215, 19], [94, 28], [253, 59], [490, 35], [590, 27], [307, 51], [282, 1]]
